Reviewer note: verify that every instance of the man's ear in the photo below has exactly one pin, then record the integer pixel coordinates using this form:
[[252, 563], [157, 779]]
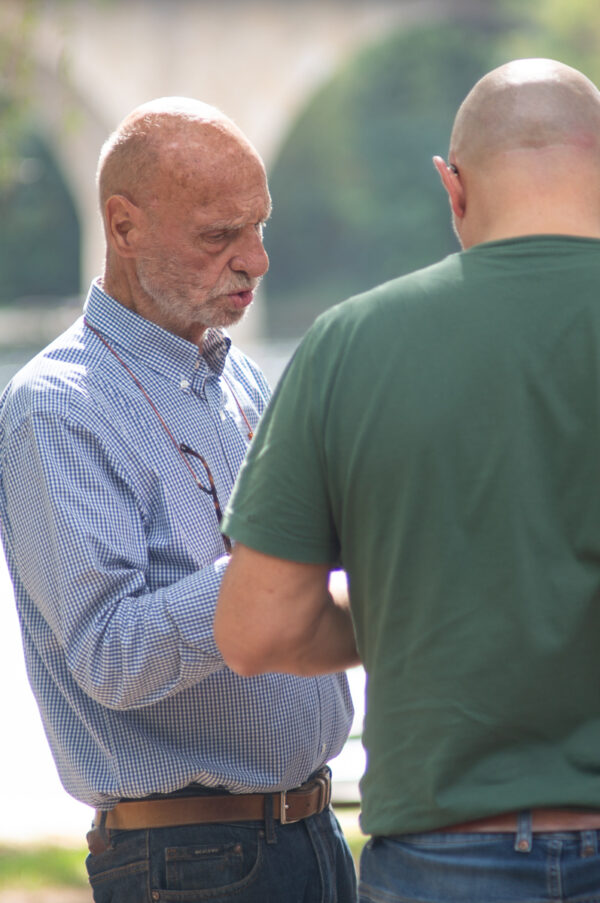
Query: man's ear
[[123, 223], [452, 183]]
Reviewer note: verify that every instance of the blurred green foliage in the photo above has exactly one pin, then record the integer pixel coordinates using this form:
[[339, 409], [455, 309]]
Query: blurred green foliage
[[356, 200], [39, 231], [42, 866], [17, 27], [567, 30]]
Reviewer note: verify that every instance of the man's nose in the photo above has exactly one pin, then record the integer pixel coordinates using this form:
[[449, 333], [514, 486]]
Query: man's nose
[[250, 256]]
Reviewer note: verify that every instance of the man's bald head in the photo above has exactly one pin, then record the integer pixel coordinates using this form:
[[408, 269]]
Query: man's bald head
[[155, 141], [525, 155], [529, 104]]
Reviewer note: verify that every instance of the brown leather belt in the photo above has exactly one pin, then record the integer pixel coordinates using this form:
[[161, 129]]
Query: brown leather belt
[[288, 806], [543, 821]]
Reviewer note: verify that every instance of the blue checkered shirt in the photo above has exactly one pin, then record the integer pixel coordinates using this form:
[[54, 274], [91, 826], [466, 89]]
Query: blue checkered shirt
[[116, 560]]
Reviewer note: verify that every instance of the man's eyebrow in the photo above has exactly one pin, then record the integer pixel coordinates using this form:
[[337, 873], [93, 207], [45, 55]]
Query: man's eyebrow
[[230, 225], [223, 226]]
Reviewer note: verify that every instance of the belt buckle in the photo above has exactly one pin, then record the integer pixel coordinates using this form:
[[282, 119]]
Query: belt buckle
[[323, 781], [283, 806]]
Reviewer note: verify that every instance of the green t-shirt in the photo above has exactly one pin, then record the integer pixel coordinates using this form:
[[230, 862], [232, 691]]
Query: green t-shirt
[[440, 437]]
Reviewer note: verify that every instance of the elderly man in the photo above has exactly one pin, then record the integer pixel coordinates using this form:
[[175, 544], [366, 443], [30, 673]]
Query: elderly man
[[119, 444], [440, 436]]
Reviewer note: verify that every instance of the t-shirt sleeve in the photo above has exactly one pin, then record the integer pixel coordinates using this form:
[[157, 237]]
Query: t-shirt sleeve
[[280, 504]]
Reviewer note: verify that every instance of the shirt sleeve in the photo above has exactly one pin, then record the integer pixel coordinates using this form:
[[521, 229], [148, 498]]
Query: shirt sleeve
[[281, 503], [76, 530]]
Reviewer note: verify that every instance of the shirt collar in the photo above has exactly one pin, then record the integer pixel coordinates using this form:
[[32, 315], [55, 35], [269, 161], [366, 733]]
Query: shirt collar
[[160, 349]]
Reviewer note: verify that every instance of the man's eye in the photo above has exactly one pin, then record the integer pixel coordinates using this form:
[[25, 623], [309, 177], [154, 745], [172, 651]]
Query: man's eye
[[216, 237]]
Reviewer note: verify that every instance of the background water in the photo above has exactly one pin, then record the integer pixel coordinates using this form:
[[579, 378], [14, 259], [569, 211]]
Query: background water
[[34, 805]]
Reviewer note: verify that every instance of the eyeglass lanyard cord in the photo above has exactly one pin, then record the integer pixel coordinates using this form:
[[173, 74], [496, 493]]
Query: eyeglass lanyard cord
[[240, 408], [153, 406]]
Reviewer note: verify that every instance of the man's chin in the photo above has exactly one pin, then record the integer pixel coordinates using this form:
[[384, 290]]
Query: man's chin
[[218, 317], [229, 317]]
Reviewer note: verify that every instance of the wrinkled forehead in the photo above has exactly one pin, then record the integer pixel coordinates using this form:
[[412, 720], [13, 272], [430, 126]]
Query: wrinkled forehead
[[220, 180], [207, 160]]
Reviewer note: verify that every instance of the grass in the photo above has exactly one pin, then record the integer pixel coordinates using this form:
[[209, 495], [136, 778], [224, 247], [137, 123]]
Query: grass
[[356, 844], [34, 867], [42, 866]]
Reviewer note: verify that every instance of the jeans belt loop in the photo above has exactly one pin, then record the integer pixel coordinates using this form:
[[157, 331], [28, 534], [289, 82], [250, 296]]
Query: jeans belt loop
[[270, 834], [523, 840], [589, 844]]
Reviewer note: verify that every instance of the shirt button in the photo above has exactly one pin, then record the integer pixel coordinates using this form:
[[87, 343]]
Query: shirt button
[[185, 384], [323, 747]]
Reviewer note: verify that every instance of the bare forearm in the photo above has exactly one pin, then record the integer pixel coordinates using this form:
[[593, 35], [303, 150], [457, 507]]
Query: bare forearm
[[275, 615], [329, 646]]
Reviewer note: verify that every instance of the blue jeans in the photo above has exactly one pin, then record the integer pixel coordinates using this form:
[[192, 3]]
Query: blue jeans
[[482, 868], [305, 862]]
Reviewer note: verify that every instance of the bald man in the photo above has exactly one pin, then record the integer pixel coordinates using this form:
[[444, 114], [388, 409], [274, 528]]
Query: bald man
[[439, 437], [119, 444]]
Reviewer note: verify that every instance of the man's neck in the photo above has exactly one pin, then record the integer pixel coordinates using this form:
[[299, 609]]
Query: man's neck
[[128, 293]]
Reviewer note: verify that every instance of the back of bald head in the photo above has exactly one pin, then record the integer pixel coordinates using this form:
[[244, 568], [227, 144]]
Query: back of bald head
[[526, 105], [154, 138]]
